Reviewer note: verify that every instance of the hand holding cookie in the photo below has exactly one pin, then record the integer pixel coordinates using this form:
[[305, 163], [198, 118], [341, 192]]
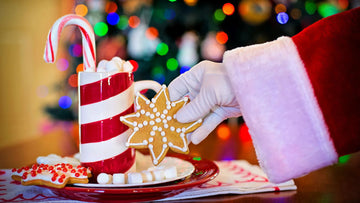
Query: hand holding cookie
[[156, 127]]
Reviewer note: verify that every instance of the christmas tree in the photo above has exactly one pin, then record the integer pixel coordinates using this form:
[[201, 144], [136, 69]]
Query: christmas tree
[[164, 38]]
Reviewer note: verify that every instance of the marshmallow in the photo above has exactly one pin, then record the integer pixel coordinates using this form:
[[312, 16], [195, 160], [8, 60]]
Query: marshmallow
[[101, 66], [119, 178], [158, 174], [111, 66], [170, 172], [134, 178], [127, 67], [116, 64], [147, 176], [104, 178]]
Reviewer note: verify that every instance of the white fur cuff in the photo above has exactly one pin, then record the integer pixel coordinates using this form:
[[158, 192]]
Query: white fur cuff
[[279, 106]]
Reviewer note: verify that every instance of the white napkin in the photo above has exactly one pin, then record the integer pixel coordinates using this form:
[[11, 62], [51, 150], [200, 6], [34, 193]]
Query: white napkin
[[235, 177]]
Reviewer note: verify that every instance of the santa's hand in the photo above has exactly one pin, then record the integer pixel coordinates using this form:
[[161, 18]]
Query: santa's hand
[[211, 95]]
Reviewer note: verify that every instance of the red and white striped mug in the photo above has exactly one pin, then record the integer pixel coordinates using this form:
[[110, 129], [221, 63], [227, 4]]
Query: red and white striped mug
[[103, 98]]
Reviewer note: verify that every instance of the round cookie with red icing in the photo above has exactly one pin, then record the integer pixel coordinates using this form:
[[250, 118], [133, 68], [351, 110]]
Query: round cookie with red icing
[[57, 175], [156, 127]]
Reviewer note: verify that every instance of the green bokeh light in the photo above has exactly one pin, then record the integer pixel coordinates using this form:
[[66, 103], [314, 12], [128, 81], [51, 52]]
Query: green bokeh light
[[172, 64], [219, 15], [162, 49], [123, 22], [157, 70], [327, 9], [197, 158], [344, 159], [310, 7], [101, 29]]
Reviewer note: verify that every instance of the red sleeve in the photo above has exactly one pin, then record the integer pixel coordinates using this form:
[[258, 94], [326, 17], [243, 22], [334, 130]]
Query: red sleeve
[[330, 51]]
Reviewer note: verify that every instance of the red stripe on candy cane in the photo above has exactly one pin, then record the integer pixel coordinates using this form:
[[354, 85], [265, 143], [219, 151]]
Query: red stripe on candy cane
[[88, 40], [105, 88], [104, 129]]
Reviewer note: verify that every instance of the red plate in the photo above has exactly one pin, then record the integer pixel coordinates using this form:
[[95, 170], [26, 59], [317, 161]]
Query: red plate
[[205, 170]]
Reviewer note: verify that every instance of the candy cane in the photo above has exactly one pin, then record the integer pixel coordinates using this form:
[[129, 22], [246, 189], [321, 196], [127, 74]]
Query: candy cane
[[88, 40]]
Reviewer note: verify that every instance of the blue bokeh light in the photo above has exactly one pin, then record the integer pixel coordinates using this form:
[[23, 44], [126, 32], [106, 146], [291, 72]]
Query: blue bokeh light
[[169, 14], [160, 78], [75, 50], [113, 18], [282, 18], [183, 69], [65, 102]]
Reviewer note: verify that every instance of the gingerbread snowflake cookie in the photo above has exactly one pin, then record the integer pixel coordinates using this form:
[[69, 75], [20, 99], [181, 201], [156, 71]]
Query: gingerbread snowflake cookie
[[57, 175], [156, 127]]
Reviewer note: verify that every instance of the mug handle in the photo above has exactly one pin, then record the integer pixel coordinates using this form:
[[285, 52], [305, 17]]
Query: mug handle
[[146, 84]]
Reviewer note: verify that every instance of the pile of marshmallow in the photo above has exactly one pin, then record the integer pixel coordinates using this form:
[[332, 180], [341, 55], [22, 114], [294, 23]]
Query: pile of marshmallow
[[116, 64], [149, 175]]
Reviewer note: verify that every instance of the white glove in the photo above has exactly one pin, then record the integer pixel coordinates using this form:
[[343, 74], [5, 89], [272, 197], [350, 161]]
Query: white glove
[[211, 97]]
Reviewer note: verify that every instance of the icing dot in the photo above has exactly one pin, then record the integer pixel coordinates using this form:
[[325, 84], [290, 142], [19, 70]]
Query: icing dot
[[142, 111], [152, 122], [173, 104], [151, 139], [138, 107], [145, 142], [178, 130], [152, 105], [157, 114], [145, 123], [155, 128], [136, 129], [155, 162], [153, 100], [165, 146], [147, 102], [172, 128], [135, 123], [186, 99], [168, 107], [152, 116], [162, 116], [154, 109], [152, 133], [168, 103], [183, 130], [170, 144], [165, 111], [150, 146], [160, 129], [166, 125], [174, 116], [164, 139], [158, 120], [182, 135], [164, 121], [140, 125], [162, 133], [168, 118], [147, 114], [137, 114]]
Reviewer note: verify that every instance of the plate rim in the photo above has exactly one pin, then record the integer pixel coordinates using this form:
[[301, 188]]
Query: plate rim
[[184, 184]]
